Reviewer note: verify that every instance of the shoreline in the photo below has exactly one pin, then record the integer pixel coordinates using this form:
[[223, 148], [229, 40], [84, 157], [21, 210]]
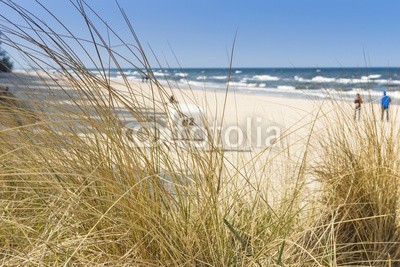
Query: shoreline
[[314, 83]]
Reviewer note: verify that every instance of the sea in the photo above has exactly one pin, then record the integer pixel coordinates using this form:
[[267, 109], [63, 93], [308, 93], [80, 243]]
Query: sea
[[290, 82]]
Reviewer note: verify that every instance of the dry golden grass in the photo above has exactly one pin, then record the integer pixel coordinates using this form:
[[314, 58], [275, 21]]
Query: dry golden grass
[[75, 191]]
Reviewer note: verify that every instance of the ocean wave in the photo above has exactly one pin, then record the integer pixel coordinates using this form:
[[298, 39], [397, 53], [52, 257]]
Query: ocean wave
[[252, 85], [388, 81], [364, 79], [372, 76], [128, 73], [193, 83], [274, 90], [160, 73], [322, 79], [299, 79], [199, 84], [247, 85], [238, 84], [265, 78], [181, 74], [238, 71], [368, 93], [201, 77], [219, 77], [131, 73]]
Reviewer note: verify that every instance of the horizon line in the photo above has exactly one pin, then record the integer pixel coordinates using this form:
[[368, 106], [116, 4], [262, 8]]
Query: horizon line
[[286, 67]]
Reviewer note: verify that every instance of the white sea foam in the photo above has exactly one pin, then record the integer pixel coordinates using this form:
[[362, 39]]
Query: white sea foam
[[130, 73], [372, 76], [332, 93], [238, 84], [160, 73], [201, 77], [238, 71], [389, 81], [366, 79], [363, 80], [275, 90], [299, 79], [181, 74], [247, 85], [193, 83], [322, 79], [199, 84], [202, 85], [265, 78], [219, 77]]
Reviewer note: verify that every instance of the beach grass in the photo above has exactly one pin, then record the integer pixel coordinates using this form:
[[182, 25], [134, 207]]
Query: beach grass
[[75, 190]]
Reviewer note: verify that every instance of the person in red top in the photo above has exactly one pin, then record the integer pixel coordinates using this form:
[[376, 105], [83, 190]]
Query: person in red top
[[358, 101]]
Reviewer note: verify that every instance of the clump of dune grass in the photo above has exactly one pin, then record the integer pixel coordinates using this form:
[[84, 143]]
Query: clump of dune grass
[[359, 174]]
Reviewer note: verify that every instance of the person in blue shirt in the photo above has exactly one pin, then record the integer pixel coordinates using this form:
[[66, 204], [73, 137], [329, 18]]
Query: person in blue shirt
[[385, 102]]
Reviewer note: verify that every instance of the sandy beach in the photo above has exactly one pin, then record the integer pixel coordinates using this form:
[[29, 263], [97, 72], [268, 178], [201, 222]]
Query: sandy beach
[[253, 126], [295, 116]]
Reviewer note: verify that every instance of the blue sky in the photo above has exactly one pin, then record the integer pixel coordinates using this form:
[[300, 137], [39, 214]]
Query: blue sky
[[280, 33]]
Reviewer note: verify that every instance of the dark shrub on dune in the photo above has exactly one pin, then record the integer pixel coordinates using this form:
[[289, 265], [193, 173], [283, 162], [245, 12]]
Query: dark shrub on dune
[[5, 63]]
